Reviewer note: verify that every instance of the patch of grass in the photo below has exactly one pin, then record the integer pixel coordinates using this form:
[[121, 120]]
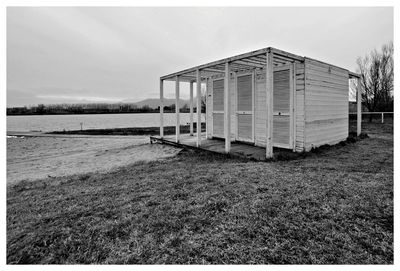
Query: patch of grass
[[332, 207]]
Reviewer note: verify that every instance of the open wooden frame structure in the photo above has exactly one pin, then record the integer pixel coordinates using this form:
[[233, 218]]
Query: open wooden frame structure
[[264, 60]]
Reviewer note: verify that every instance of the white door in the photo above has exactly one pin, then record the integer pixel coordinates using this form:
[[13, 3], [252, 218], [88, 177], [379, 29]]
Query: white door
[[283, 107], [245, 107]]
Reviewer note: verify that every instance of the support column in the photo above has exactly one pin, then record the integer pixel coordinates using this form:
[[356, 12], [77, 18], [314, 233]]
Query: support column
[[198, 93], [191, 108], [177, 126], [206, 109], [359, 115], [161, 108], [227, 111], [269, 77]]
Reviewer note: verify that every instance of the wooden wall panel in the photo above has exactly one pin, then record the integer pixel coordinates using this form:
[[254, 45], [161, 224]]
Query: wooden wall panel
[[281, 132], [326, 104], [215, 102], [209, 108], [218, 125], [245, 127], [260, 110]]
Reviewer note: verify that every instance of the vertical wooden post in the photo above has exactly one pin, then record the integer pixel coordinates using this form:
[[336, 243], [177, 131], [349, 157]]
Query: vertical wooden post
[[191, 107], [198, 94], [293, 110], [227, 109], [269, 88], [161, 108], [206, 109], [359, 115], [177, 126], [382, 119]]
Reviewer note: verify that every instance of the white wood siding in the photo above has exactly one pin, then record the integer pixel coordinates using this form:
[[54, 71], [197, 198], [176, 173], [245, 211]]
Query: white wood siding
[[326, 104], [299, 100]]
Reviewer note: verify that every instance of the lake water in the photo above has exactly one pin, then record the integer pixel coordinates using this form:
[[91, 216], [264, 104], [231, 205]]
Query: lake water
[[47, 123]]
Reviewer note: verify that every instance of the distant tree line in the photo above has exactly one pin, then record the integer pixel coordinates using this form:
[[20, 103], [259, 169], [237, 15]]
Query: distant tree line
[[94, 108]]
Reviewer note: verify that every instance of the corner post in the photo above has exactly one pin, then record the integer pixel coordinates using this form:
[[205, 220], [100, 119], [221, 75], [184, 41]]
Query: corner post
[[206, 109], [359, 115], [269, 83], [161, 108], [191, 108], [177, 126], [227, 111], [198, 109]]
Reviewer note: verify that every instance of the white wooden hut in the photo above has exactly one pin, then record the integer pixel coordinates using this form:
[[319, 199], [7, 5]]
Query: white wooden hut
[[269, 98]]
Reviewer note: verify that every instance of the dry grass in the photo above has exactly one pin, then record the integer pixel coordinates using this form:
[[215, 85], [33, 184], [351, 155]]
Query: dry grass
[[331, 207]]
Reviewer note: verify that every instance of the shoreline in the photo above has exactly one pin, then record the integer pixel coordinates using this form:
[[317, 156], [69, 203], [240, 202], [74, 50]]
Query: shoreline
[[168, 130]]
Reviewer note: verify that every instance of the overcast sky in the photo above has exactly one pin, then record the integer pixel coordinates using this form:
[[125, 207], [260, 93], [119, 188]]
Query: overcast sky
[[57, 55]]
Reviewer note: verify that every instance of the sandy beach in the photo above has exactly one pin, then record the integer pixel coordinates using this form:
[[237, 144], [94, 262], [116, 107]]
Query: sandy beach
[[37, 157]]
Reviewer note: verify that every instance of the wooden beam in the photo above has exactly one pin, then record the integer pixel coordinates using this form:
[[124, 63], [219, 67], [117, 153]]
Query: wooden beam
[[218, 62], [269, 85], [198, 93], [227, 111], [161, 108], [353, 75], [177, 125], [221, 62], [285, 54], [191, 108], [260, 61], [212, 70], [248, 64], [359, 114]]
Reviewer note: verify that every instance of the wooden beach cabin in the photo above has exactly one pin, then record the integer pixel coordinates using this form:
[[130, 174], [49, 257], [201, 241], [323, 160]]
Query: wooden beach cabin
[[267, 98]]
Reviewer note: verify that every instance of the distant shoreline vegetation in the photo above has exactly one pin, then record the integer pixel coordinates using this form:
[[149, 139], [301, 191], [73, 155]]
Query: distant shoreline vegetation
[[91, 109], [168, 130], [145, 106]]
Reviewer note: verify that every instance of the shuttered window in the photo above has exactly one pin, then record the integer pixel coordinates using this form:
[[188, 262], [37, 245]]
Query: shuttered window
[[282, 91], [244, 88], [218, 95], [245, 107], [281, 131], [218, 108]]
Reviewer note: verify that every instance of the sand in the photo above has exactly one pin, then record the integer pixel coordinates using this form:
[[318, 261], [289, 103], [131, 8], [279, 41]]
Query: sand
[[43, 156]]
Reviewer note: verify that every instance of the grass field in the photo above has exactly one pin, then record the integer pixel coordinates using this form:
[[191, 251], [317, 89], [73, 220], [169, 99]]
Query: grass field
[[330, 207]]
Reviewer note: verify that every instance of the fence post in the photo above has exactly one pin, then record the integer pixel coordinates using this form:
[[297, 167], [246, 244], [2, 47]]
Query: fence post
[[382, 118]]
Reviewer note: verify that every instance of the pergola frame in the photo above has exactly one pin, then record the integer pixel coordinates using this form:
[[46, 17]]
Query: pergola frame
[[264, 59]]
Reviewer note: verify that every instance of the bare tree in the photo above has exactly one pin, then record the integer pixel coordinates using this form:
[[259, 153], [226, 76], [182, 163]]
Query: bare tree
[[376, 70]]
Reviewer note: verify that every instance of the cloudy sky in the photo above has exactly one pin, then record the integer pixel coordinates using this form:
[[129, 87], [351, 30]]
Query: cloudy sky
[[57, 55]]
